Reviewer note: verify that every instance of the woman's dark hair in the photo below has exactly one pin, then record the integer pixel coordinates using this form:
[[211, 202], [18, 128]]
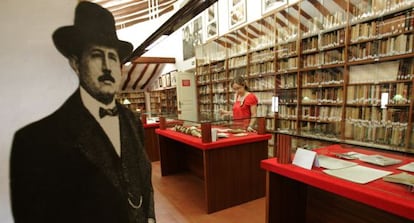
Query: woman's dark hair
[[240, 81]]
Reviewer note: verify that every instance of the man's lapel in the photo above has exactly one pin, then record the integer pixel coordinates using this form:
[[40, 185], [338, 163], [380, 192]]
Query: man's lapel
[[98, 149]]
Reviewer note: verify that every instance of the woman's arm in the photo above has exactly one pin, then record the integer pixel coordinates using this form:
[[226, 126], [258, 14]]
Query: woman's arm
[[253, 114]]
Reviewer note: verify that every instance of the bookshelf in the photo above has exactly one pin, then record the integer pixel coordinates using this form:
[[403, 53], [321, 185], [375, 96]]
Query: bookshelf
[[137, 100], [248, 52], [164, 102], [342, 71]]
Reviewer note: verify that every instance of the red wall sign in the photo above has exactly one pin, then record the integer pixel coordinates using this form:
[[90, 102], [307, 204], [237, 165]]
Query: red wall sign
[[185, 83]]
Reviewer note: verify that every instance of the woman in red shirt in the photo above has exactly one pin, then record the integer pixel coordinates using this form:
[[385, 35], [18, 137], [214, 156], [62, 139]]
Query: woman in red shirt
[[245, 105]]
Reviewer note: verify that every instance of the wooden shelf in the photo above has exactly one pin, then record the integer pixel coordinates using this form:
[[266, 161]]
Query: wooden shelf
[[341, 55]]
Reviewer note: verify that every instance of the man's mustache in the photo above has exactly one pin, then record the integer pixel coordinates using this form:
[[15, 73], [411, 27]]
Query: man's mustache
[[106, 77]]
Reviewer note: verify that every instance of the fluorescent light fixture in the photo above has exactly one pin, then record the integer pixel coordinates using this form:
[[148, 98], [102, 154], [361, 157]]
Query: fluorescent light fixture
[[159, 40]]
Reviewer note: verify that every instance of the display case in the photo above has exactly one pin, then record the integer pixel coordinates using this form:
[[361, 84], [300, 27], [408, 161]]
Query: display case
[[324, 194], [219, 153]]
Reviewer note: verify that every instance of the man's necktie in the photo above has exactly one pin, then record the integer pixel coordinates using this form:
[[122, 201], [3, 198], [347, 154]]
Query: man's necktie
[[108, 111]]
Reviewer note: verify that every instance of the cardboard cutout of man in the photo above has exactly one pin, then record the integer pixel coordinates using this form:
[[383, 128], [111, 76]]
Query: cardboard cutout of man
[[86, 161]]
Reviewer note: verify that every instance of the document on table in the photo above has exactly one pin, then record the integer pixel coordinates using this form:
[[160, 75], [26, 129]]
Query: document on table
[[333, 163], [407, 167], [358, 174], [379, 160]]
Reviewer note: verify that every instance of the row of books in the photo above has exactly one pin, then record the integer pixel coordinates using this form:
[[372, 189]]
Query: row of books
[[334, 56], [331, 129], [261, 68], [396, 24], [398, 93], [264, 55], [322, 77], [286, 125], [202, 79], [287, 64], [264, 110], [322, 95], [321, 113], [376, 116], [263, 83], [287, 49], [288, 96], [317, 24], [374, 8], [332, 39], [241, 71], [287, 112], [202, 90], [363, 31], [405, 69], [217, 67], [310, 44], [396, 45], [237, 61], [365, 132], [287, 81]]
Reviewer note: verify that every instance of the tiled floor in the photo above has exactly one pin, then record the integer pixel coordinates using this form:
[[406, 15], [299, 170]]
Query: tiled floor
[[180, 199]]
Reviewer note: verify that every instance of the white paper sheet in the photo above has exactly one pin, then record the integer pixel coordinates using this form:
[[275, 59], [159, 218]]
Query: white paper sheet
[[358, 174], [334, 163], [304, 158], [407, 167]]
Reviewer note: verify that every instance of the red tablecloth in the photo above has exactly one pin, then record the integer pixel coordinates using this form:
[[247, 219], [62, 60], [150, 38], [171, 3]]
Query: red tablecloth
[[391, 197]]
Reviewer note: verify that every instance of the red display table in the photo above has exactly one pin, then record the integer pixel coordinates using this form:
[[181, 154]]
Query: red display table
[[229, 167], [295, 194]]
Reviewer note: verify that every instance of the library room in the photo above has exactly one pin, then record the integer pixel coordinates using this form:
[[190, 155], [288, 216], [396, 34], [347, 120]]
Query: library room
[[207, 111]]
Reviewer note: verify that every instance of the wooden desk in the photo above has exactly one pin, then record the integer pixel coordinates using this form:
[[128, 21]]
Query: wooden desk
[[295, 194], [229, 167]]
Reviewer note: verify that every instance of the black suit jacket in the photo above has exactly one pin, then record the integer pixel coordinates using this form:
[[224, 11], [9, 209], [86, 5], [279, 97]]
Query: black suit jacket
[[64, 168]]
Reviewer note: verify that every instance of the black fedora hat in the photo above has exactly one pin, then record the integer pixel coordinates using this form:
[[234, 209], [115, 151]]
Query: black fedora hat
[[93, 25]]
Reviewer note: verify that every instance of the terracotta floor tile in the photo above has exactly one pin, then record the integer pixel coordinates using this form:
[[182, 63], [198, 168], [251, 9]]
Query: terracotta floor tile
[[180, 199]]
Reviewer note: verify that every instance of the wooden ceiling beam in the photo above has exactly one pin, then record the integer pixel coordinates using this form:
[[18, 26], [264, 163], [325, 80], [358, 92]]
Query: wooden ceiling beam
[[140, 14], [324, 11], [138, 20], [128, 79], [175, 22], [266, 24], [255, 30], [153, 60], [222, 43], [134, 86], [154, 72], [343, 5], [293, 20], [232, 39]]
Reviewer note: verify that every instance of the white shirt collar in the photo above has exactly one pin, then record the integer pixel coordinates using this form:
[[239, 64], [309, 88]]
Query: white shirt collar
[[92, 104]]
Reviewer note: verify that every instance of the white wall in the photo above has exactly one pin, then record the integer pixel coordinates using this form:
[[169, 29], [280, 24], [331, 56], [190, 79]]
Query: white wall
[[35, 79]]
